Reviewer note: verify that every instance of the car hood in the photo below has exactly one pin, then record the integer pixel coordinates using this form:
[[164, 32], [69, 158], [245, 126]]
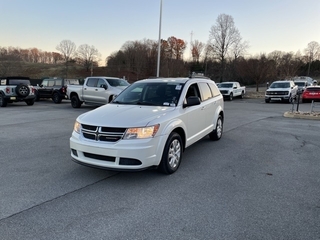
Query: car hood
[[223, 88], [119, 89], [124, 115]]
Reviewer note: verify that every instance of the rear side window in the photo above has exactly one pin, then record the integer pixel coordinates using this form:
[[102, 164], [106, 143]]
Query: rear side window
[[51, 83], [215, 91], [205, 91], [18, 81]]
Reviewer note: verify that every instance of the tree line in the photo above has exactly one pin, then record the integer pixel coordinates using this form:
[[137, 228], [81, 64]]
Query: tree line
[[224, 57]]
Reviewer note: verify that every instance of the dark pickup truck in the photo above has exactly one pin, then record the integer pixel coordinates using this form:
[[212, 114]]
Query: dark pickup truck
[[54, 88]]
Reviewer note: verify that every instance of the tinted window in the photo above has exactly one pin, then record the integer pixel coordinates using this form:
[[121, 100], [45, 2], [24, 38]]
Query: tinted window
[[18, 81], [92, 82], [117, 82], [205, 90], [101, 82], [215, 91], [51, 83], [58, 82]]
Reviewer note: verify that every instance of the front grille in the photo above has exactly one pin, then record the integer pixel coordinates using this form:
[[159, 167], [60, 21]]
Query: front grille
[[103, 134], [277, 93], [224, 92], [99, 157]]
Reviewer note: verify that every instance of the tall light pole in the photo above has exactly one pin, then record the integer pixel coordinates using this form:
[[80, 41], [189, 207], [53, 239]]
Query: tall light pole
[[159, 40]]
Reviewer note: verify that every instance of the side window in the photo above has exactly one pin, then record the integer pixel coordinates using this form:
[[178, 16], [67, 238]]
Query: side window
[[58, 82], [45, 83], [193, 90], [205, 91], [50, 83], [215, 91], [92, 82], [101, 82]]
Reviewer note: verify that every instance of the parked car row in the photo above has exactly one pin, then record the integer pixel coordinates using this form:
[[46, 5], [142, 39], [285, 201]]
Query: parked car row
[[94, 91], [288, 90]]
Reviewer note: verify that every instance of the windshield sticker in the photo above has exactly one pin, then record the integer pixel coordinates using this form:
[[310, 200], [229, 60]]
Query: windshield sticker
[[178, 87], [166, 104]]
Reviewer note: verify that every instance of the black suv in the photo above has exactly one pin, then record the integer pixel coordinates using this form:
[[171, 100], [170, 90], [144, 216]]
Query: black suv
[[54, 88]]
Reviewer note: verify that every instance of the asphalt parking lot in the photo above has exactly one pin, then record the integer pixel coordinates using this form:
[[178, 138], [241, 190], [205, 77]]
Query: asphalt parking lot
[[260, 181]]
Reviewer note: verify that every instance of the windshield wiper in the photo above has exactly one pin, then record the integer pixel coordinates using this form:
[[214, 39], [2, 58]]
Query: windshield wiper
[[146, 103]]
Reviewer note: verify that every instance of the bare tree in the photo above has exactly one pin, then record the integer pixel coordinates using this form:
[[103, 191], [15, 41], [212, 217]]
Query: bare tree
[[223, 36], [196, 50], [312, 52], [88, 55], [67, 49]]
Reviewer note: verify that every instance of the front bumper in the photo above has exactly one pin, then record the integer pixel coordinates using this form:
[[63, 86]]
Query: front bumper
[[277, 97], [125, 155]]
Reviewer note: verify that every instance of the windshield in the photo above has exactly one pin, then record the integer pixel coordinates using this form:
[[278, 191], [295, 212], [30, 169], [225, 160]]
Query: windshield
[[117, 82], [300, 84], [280, 85], [225, 85], [151, 94]]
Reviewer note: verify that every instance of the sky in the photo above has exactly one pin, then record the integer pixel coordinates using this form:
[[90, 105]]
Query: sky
[[267, 25]]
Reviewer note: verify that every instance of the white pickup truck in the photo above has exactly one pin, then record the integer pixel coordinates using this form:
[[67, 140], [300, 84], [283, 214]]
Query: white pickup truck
[[95, 90], [230, 90]]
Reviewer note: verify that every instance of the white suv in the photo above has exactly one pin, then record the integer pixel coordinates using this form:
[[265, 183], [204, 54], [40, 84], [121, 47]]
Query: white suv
[[282, 90], [149, 124]]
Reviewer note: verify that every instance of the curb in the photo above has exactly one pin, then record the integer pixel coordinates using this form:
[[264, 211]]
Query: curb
[[301, 115]]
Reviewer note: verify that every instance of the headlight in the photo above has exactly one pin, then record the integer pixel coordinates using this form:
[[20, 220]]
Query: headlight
[[77, 127], [140, 133]]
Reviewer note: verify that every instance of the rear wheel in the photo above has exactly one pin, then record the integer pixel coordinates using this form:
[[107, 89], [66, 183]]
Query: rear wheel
[[172, 154], [75, 102], [216, 134], [56, 98], [3, 101], [242, 94]]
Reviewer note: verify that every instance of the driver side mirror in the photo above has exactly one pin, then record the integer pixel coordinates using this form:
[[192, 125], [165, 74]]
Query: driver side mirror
[[104, 86]]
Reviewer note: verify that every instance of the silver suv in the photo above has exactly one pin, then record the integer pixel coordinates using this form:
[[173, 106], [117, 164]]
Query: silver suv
[[283, 90], [16, 89]]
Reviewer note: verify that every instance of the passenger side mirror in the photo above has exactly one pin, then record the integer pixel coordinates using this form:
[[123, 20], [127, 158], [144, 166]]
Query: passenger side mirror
[[104, 86], [192, 101]]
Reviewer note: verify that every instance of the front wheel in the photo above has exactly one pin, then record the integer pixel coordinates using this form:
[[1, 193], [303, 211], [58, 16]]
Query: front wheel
[[216, 134], [230, 96], [56, 98], [172, 154], [75, 102]]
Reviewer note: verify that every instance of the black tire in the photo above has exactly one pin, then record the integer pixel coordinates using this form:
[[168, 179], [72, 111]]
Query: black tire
[[172, 154], [267, 100], [56, 98], [242, 95], [22, 90], [231, 96], [37, 96], [216, 134], [75, 102], [3, 101], [30, 102]]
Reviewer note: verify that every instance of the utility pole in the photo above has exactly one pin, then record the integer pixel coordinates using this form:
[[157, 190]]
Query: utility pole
[[159, 40]]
